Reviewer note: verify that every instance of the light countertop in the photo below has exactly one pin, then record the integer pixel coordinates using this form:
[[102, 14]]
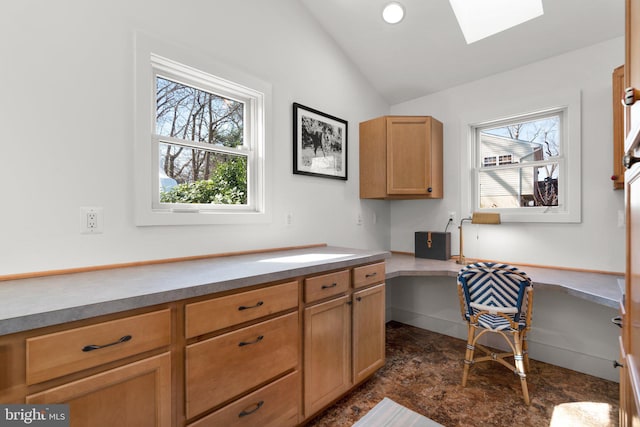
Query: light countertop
[[37, 302], [43, 301], [600, 288]]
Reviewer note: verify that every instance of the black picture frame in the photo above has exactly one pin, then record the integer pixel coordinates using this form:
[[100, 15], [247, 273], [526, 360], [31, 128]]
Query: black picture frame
[[320, 143]]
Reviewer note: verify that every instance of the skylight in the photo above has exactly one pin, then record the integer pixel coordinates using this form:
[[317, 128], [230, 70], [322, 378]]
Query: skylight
[[483, 18]]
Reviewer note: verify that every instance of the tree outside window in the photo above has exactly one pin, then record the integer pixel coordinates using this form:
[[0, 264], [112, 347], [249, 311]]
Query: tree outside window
[[201, 135]]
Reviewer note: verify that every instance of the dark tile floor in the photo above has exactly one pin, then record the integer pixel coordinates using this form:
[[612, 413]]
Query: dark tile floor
[[423, 373]]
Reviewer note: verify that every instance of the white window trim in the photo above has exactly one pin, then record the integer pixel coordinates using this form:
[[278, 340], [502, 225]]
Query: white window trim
[[569, 209], [151, 56]]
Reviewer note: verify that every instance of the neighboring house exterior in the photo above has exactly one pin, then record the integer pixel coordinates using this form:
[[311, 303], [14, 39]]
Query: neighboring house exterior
[[507, 187]]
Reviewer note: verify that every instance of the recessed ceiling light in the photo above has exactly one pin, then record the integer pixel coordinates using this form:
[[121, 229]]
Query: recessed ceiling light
[[483, 18], [393, 13]]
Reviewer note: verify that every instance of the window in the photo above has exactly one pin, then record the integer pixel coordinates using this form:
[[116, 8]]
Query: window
[[527, 167], [507, 159], [531, 180], [489, 161], [201, 160]]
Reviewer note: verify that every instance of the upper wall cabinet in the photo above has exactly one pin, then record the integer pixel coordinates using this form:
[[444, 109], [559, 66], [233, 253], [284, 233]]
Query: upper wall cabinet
[[401, 158]]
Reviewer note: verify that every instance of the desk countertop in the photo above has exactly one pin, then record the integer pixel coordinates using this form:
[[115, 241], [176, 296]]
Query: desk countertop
[[43, 301], [601, 288]]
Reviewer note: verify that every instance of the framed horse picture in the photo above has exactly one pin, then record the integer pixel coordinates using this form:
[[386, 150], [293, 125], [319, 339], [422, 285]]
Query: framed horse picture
[[319, 143]]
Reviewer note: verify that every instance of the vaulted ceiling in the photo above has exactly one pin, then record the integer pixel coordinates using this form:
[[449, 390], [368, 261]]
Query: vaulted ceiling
[[426, 52]]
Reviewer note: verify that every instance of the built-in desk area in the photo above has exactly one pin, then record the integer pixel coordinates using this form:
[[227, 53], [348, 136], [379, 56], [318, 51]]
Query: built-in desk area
[[600, 288], [571, 316]]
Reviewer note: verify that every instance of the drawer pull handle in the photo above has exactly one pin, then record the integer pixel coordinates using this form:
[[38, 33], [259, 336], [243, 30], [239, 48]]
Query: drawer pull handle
[[358, 299], [246, 307], [244, 413], [98, 347], [333, 285], [256, 341], [617, 321], [370, 275]]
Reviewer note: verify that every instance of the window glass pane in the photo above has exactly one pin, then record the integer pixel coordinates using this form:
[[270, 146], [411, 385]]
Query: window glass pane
[[507, 159], [489, 161], [188, 113], [524, 141], [189, 175], [519, 187]]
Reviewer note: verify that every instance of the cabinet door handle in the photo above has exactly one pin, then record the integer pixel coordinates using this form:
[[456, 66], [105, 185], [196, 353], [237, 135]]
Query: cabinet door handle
[[257, 340], [617, 364], [429, 190], [333, 285], [629, 96], [358, 298], [92, 347], [246, 307], [629, 160], [244, 412], [617, 321], [370, 275]]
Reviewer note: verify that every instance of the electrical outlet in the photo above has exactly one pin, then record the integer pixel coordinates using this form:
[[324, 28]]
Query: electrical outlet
[[452, 216], [91, 220], [359, 219], [288, 219]]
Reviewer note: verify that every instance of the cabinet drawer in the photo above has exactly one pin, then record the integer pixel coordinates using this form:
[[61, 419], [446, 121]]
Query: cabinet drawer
[[368, 275], [61, 353], [211, 315], [275, 405], [319, 287], [136, 394], [223, 367]]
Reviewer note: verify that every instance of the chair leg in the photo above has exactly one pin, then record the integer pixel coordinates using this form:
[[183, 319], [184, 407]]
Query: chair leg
[[468, 357], [520, 371], [525, 351]]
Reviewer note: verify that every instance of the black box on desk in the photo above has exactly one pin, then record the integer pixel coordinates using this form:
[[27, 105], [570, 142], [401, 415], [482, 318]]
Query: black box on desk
[[433, 245]]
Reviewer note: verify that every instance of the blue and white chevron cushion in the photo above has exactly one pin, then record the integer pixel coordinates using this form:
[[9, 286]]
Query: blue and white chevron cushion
[[495, 288]]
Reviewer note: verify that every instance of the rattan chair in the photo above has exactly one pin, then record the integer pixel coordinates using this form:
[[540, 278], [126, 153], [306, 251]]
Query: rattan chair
[[497, 298]]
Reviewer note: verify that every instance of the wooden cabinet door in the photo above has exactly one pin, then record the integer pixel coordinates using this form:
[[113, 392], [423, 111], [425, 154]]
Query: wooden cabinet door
[[630, 384], [368, 331], [408, 155], [137, 394], [632, 60], [327, 353], [629, 391], [619, 132]]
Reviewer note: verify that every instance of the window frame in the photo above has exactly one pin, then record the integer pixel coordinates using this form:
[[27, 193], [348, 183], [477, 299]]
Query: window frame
[[569, 162], [155, 58]]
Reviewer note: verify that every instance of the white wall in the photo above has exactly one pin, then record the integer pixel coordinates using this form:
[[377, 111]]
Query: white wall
[[67, 140], [595, 243], [566, 331]]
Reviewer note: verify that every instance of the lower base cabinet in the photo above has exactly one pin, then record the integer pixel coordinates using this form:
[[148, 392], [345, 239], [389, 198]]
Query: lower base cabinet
[[137, 394], [344, 343], [272, 356]]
